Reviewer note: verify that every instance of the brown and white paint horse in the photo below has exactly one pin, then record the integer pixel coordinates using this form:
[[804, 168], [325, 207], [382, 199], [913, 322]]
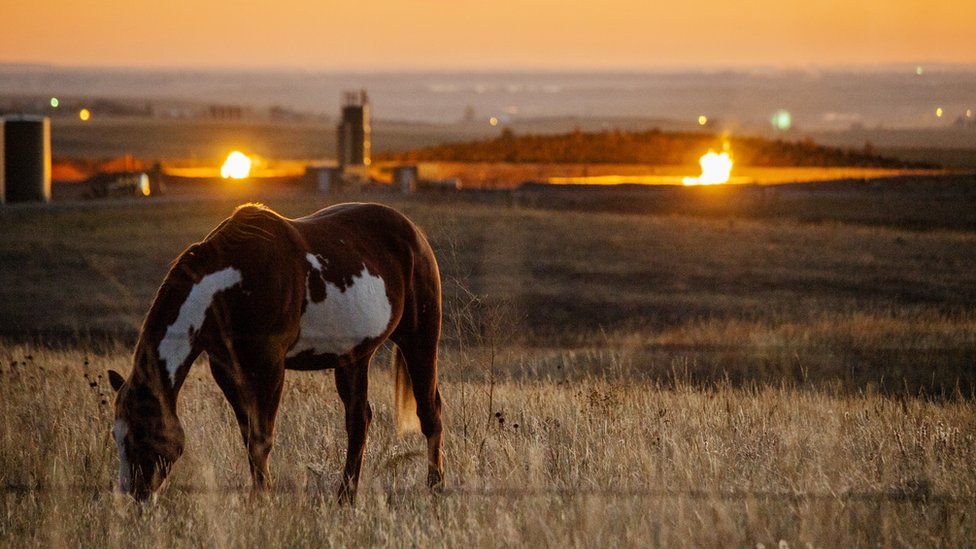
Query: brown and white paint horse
[[262, 294]]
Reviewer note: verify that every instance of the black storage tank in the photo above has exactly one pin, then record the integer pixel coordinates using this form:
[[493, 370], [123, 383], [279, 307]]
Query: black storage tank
[[3, 192], [27, 158]]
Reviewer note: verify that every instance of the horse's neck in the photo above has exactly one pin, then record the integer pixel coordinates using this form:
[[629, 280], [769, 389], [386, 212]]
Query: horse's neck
[[149, 373], [165, 346], [168, 356], [179, 313]]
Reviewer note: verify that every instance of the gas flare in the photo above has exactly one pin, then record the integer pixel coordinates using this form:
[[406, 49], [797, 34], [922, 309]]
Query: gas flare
[[716, 169], [237, 166]]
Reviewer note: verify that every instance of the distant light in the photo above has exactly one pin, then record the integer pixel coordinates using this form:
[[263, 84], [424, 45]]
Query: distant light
[[918, 70], [54, 102], [144, 184], [493, 121], [702, 120], [782, 120], [237, 166], [938, 112], [969, 113], [84, 115]]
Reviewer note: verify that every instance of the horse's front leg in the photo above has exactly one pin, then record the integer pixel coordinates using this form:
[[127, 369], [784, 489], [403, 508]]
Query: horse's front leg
[[254, 392], [352, 385]]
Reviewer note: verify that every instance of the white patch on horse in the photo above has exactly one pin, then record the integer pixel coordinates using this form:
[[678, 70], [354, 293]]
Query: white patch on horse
[[176, 345], [314, 261], [121, 430], [343, 319]]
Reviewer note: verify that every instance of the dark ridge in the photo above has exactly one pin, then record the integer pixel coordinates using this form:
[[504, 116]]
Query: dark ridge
[[648, 147]]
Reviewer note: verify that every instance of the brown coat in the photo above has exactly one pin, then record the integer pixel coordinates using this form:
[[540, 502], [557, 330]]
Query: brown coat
[[262, 294]]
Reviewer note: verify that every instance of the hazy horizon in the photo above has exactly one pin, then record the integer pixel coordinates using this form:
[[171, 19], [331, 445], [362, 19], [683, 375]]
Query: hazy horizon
[[733, 98], [532, 34], [928, 66]]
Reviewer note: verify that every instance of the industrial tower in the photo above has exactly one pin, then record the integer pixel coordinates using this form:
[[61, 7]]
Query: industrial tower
[[353, 136]]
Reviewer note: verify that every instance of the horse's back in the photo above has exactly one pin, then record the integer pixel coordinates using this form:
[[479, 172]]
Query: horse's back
[[350, 211], [373, 231], [360, 217]]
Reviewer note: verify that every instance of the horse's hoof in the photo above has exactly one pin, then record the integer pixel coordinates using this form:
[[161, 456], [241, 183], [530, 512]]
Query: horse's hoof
[[259, 493], [435, 481], [346, 496]]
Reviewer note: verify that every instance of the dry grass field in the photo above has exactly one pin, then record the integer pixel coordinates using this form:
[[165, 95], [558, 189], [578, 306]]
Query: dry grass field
[[609, 379], [589, 463]]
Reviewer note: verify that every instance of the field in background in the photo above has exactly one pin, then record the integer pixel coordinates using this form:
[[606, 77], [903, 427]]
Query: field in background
[[922, 203], [751, 298], [315, 139], [712, 379]]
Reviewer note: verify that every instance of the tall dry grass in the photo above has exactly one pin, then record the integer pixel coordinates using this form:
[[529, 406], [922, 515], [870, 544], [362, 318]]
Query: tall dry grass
[[595, 461], [640, 380]]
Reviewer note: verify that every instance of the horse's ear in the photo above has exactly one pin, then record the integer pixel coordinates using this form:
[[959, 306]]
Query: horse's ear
[[116, 380]]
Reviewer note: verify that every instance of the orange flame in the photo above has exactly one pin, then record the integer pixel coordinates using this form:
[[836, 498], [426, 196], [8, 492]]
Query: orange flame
[[716, 169], [237, 166]]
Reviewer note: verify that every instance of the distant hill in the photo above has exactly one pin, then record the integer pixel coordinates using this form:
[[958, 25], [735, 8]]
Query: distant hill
[[647, 147]]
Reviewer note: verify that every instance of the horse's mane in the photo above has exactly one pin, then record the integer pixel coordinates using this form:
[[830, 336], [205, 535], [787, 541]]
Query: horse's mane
[[253, 220], [249, 230]]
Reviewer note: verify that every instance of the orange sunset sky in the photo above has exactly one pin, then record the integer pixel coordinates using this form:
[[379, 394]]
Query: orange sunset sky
[[459, 34]]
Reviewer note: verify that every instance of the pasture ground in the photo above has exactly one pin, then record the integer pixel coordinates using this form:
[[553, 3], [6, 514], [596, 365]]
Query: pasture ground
[[650, 380], [589, 463]]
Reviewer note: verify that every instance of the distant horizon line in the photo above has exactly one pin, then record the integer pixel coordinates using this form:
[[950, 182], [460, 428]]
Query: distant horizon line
[[662, 69]]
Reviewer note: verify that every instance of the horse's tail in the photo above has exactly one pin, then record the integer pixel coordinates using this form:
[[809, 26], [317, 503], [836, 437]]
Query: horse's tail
[[403, 398]]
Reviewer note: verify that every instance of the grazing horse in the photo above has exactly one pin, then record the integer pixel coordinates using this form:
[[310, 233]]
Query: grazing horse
[[262, 294]]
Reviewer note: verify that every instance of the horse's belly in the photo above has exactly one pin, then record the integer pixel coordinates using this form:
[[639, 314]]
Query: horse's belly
[[345, 318], [311, 362]]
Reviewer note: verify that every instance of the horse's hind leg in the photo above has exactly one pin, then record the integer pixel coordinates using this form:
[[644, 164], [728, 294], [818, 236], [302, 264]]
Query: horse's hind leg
[[420, 354], [352, 384]]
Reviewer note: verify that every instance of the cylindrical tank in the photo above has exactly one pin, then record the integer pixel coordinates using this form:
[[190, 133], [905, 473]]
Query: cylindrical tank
[[405, 179], [3, 192], [27, 158], [325, 179]]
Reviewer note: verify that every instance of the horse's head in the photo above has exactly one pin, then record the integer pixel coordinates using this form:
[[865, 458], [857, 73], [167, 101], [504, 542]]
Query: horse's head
[[147, 434]]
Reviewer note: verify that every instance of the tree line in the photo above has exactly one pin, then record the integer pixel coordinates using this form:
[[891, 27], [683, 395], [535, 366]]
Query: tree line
[[646, 147]]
